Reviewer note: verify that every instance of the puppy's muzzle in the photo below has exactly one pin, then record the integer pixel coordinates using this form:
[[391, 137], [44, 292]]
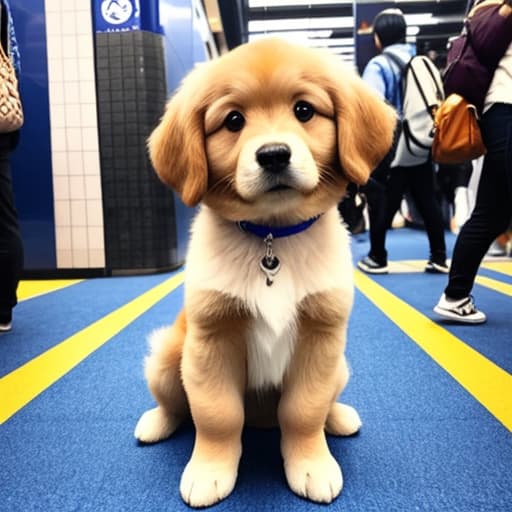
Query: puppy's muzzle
[[274, 158]]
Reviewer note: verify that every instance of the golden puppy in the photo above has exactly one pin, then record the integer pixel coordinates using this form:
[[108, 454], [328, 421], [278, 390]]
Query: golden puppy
[[266, 138]]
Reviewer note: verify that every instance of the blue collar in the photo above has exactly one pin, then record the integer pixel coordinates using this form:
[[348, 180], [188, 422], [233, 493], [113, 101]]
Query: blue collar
[[276, 232]]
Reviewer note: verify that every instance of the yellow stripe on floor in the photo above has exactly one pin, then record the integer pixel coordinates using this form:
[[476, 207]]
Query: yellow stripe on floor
[[495, 285], [485, 381], [22, 385], [503, 267], [30, 289]]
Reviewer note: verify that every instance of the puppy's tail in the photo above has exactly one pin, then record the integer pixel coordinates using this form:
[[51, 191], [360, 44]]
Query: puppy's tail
[[162, 366]]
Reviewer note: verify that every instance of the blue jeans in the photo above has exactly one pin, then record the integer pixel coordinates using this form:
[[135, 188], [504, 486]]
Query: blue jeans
[[493, 209]]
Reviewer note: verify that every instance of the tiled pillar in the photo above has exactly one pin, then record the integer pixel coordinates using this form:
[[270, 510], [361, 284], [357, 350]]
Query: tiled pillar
[[74, 135]]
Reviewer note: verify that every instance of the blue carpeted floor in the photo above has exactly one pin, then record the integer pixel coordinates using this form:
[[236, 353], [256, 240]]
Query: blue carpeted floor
[[426, 443]]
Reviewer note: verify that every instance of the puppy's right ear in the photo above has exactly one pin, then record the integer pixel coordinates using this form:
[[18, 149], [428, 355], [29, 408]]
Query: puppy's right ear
[[177, 144]]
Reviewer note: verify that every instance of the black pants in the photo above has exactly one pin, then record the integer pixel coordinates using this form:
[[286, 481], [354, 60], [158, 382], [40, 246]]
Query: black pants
[[385, 193], [11, 247], [493, 208]]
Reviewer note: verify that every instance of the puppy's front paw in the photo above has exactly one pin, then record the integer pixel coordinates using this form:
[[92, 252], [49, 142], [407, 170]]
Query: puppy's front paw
[[155, 425], [205, 483], [318, 479]]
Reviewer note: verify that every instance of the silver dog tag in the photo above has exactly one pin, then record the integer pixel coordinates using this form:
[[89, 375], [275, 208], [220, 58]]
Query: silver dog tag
[[269, 264]]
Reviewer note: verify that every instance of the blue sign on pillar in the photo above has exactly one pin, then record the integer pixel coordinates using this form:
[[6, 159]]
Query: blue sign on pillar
[[116, 15]]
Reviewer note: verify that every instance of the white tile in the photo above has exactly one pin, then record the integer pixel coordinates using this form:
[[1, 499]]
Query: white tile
[[79, 238], [78, 213], [76, 187], [53, 6], [55, 70], [69, 47], [85, 25], [67, 5], [57, 116], [80, 258], [90, 139], [88, 115], [59, 163], [56, 92], [91, 162], [73, 115], [71, 92], [85, 46], [59, 140], [53, 23], [95, 236], [54, 46], [96, 258], [63, 238], [82, 6], [87, 92], [60, 187], [70, 70], [62, 212], [68, 23], [94, 212], [75, 163], [86, 70], [93, 187], [74, 139], [64, 259]]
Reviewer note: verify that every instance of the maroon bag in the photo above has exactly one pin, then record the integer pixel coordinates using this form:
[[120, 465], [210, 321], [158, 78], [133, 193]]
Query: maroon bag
[[474, 55]]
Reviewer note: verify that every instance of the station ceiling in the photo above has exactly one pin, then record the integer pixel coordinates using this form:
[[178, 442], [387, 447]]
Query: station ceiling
[[330, 23]]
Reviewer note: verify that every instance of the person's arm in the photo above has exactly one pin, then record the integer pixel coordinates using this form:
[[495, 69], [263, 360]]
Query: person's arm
[[374, 77]]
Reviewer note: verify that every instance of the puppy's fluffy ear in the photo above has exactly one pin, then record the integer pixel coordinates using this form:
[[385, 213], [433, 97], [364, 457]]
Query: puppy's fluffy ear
[[177, 144], [365, 125]]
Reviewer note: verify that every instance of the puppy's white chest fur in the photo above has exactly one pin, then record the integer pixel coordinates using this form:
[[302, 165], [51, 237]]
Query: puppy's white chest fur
[[225, 259]]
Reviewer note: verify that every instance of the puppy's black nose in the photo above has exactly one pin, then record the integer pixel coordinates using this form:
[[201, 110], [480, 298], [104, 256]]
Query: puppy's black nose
[[274, 157]]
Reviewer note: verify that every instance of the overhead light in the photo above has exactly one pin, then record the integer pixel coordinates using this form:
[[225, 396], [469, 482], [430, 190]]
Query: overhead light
[[283, 3], [301, 24]]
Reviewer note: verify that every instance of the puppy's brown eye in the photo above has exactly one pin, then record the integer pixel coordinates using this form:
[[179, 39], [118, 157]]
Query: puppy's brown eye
[[234, 121], [304, 111]]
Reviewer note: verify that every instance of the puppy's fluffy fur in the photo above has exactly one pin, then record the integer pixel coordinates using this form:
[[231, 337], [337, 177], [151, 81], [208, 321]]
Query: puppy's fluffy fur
[[241, 350]]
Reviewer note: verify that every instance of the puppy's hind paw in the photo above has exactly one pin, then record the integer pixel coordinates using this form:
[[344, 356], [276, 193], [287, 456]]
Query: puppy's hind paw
[[342, 420], [155, 425]]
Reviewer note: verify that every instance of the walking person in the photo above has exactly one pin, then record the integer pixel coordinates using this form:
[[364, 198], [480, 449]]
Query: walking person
[[11, 246], [493, 208], [387, 187]]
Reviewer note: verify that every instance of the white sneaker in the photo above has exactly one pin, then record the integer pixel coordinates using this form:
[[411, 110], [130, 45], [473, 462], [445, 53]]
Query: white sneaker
[[462, 310]]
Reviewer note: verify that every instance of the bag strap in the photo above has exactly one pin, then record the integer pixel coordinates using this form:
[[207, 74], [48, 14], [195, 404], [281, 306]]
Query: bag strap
[[404, 67], [401, 65], [439, 91]]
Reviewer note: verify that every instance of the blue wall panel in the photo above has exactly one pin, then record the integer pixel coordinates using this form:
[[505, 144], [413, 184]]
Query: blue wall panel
[[31, 161], [182, 51]]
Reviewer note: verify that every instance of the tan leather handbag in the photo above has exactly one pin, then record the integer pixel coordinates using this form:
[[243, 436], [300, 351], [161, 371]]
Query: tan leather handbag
[[11, 111], [457, 137]]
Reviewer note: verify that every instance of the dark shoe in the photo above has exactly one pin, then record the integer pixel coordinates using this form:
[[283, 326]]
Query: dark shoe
[[462, 310], [370, 266], [5, 322], [5, 327], [437, 268]]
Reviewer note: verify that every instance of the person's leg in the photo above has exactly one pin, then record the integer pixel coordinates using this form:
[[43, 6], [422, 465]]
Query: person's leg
[[11, 248], [423, 191], [395, 193], [491, 216], [375, 192], [386, 200]]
